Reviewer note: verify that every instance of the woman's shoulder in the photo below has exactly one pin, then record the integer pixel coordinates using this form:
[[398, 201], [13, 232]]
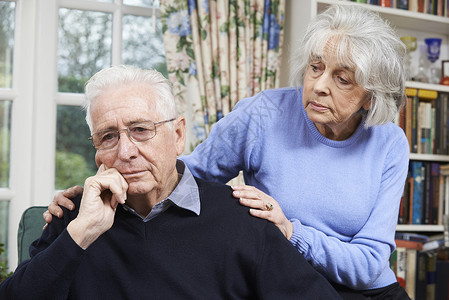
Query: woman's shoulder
[[389, 130], [273, 102], [391, 134], [275, 96]]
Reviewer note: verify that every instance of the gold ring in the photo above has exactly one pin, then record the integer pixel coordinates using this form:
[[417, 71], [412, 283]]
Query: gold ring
[[269, 206]]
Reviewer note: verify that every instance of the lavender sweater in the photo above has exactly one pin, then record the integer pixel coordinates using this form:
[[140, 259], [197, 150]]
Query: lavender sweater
[[341, 196]]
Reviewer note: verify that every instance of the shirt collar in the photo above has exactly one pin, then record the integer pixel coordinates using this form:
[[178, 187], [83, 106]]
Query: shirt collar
[[186, 194]]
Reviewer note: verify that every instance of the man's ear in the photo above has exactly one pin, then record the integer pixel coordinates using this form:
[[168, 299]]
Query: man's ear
[[180, 134]]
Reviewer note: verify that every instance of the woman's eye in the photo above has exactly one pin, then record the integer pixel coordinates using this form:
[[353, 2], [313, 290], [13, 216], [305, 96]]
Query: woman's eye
[[342, 80], [314, 68]]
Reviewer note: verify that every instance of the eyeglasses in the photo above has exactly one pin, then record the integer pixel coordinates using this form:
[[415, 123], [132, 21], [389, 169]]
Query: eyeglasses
[[137, 132]]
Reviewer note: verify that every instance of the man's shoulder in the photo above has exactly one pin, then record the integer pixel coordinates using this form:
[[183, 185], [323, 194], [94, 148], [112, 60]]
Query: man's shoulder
[[214, 192], [69, 215], [217, 200]]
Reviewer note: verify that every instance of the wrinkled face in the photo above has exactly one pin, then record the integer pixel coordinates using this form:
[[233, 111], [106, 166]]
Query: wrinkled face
[[146, 166], [332, 97]]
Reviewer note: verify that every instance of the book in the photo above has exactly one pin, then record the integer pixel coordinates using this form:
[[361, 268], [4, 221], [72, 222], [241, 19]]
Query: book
[[409, 244], [435, 188], [411, 272], [411, 236], [425, 127], [442, 279], [414, 133], [427, 94], [401, 265], [421, 276], [433, 245], [408, 121], [413, 5], [431, 276], [402, 4], [417, 175], [427, 194]]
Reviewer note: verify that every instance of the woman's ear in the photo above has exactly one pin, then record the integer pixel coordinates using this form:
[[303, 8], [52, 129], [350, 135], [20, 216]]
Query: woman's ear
[[367, 105]]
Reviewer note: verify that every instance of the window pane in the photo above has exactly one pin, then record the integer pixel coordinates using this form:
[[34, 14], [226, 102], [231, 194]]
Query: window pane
[[7, 12], [5, 128], [4, 213], [143, 47], [147, 3], [85, 39], [74, 152]]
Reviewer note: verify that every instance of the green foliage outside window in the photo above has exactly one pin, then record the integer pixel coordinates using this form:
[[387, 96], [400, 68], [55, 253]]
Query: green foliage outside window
[[6, 42], [4, 273], [71, 169], [4, 157], [75, 155]]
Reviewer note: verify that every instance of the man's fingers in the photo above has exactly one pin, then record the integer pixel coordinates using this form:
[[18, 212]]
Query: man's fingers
[[109, 179]]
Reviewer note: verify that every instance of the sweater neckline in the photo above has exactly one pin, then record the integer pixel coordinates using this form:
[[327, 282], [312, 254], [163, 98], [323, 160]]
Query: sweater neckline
[[324, 140]]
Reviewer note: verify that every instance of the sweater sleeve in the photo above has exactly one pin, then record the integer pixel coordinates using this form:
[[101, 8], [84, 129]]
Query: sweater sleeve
[[358, 263], [55, 258], [228, 148], [295, 277]]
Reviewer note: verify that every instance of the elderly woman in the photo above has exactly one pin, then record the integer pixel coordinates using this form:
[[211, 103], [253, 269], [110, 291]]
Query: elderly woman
[[326, 150], [322, 160]]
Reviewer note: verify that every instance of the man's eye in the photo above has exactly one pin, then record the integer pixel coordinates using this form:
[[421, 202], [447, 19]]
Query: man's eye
[[139, 129], [108, 136]]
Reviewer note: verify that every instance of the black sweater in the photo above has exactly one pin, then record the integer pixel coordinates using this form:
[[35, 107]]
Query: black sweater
[[224, 253]]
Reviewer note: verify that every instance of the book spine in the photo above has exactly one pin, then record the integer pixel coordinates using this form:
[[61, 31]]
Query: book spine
[[417, 175], [401, 266]]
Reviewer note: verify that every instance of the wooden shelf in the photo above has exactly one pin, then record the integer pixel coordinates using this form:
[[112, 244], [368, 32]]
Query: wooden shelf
[[420, 228], [401, 18], [429, 157], [428, 86]]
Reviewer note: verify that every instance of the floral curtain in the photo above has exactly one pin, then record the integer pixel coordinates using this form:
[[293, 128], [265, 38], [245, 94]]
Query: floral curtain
[[220, 51]]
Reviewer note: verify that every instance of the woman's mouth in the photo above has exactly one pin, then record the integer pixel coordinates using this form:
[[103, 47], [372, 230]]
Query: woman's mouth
[[318, 107]]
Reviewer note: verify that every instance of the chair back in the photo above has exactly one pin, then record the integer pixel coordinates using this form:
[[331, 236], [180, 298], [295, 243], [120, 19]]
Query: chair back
[[30, 229]]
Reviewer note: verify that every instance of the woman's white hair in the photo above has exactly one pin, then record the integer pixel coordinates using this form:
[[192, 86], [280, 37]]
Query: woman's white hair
[[366, 42], [117, 76]]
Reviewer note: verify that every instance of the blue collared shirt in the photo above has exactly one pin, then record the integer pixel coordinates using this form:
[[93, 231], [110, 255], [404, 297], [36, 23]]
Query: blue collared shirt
[[185, 195]]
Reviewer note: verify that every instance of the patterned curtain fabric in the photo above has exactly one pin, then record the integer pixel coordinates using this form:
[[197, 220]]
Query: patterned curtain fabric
[[221, 51]]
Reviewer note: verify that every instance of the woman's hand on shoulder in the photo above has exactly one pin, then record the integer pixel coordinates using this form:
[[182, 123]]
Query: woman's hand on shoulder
[[263, 206], [63, 199]]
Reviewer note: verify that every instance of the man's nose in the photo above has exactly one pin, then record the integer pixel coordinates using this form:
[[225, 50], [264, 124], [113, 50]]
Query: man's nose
[[127, 149]]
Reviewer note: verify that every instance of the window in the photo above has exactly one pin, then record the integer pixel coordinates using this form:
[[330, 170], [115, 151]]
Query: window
[[7, 24], [86, 45], [43, 135]]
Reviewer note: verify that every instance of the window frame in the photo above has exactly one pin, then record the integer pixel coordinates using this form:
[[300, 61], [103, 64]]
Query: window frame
[[35, 99]]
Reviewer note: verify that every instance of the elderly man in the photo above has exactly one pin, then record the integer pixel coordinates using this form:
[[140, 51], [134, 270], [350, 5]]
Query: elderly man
[[145, 227]]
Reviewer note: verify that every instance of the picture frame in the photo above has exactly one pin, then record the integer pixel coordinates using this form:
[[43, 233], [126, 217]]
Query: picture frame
[[445, 68], [444, 72]]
